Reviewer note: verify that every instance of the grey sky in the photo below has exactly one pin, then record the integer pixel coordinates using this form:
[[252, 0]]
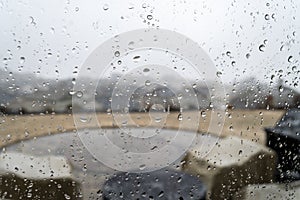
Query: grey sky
[[55, 36]]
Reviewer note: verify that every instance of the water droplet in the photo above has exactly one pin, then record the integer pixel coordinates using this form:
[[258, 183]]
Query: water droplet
[[8, 137], [147, 82], [83, 119], [149, 17], [131, 6], [131, 45], [280, 88], [219, 74], [84, 168], [136, 58], [142, 167], [273, 16], [261, 47], [105, 7], [31, 20], [52, 30], [161, 194], [67, 196], [144, 5], [272, 76], [22, 60], [117, 53], [228, 53], [179, 179], [26, 133], [180, 117], [158, 119], [240, 152], [5, 60], [146, 70], [79, 94], [179, 96], [267, 16]]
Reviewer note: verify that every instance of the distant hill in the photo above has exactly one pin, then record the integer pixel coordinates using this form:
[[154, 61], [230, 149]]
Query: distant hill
[[26, 93], [252, 94]]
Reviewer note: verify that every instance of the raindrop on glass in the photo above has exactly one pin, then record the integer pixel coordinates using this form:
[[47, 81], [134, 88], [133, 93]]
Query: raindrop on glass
[[147, 83], [267, 16], [142, 166], [149, 17], [136, 58], [117, 53], [131, 45], [219, 74], [261, 47], [280, 88], [105, 7], [146, 70], [180, 117], [79, 94], [22, 60]]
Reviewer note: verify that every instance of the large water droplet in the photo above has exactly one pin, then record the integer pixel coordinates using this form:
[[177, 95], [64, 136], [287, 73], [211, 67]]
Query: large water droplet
[[131, 45], [105, 7], [79, 94], [136, 58], [261, 47], [142, 167], [149, 17], [83, 119], [22, 60], [180, 117], [146, 70], [280, 88], [228, 53], [117, 53], [240, 152], [267, 16], [147, 82], [158, 119]]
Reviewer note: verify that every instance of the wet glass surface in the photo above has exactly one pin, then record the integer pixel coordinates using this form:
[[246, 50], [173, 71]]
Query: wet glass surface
[[85, 168]]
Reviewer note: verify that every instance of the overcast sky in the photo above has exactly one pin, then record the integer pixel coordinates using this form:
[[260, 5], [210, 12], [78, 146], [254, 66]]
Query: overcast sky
[[243, 38]]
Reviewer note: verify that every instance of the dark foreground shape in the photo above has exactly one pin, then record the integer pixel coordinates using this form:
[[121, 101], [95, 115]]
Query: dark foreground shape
[[162, 184], [15, 187], [284, 138], [25, 176]]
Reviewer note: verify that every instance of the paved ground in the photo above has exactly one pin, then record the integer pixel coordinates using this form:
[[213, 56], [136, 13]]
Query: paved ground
[[90, 172], [243, 123]]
